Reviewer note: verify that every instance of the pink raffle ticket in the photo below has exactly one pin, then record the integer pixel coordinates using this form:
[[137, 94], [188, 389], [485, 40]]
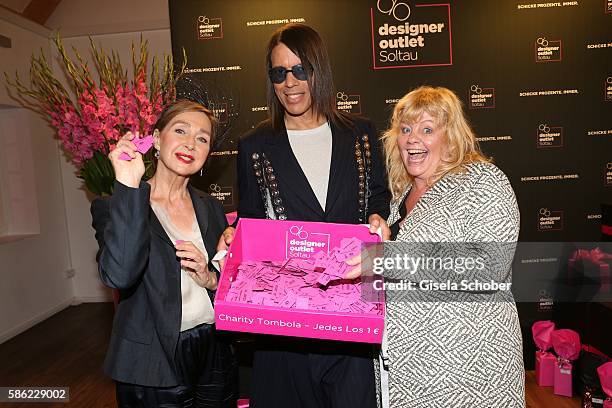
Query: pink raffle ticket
[[142, 146]]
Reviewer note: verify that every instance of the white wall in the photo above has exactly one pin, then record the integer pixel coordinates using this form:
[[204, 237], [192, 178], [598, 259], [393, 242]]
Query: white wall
[[86, 17], [32, 281]]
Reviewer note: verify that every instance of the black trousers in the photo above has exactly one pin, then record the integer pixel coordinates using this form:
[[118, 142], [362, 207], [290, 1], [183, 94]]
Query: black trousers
[[207, 371], [300, 373]]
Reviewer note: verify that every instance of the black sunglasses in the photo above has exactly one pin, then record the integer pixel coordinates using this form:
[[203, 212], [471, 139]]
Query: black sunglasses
[[279, 74]]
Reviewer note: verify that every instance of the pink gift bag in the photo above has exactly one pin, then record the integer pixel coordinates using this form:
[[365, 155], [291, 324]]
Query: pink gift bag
[[544, 361], [567, 346], [605, 377]]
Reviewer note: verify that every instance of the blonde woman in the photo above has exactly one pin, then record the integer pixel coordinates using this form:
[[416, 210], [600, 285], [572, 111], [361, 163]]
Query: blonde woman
[[447, 351]]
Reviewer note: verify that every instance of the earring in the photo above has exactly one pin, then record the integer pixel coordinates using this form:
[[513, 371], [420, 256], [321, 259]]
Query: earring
[[156, 154], [201, 171]]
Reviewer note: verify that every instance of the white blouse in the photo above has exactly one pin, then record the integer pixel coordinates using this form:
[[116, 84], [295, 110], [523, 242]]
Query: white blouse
[[196, 305]]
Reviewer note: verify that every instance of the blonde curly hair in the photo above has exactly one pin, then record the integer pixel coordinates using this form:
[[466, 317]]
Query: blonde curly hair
[[447, 111]]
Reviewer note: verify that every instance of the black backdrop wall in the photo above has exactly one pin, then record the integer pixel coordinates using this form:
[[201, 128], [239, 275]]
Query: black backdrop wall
[[535, 77]]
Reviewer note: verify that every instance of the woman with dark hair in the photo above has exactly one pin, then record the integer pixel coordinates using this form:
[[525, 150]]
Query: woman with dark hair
[[310, 162], [155, 239]]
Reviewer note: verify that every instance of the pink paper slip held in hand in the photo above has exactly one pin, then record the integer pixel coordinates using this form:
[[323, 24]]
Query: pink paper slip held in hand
[[567, 346], [545, 361], [605, 377], [142, 146]]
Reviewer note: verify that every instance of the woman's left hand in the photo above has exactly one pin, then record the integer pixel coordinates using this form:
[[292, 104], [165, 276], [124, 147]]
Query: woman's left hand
[[357, 262], [195, 263], [362, 264]]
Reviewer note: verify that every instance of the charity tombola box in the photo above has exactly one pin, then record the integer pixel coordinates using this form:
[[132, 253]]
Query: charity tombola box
[[285, 278]]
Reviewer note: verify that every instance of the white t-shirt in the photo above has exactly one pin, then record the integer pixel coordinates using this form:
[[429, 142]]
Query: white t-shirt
[[313, 149]]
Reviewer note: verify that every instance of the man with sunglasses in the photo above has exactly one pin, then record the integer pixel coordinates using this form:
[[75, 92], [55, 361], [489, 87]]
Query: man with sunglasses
[[310, 162]]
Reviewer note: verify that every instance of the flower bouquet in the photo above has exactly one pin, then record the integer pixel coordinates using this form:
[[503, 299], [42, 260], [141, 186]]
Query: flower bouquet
[[90, 119]]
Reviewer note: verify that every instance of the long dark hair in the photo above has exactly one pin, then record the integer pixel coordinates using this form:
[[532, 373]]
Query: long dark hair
[[306, 43]]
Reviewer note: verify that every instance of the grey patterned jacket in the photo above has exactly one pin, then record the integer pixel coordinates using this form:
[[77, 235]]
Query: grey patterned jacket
[[457, 349]]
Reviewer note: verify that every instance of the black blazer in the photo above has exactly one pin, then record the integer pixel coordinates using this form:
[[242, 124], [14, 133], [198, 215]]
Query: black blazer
[[137, 257], [299, 200]]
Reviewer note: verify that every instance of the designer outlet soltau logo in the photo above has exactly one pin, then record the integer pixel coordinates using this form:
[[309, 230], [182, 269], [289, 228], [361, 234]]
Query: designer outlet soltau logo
[[481, 98], [407, 35], [608, 5], [549, 220], [303, 244], [608, 89], [225, 194], [209, 28], [608, 175], [549, 136], [548, 50], [349, 102]]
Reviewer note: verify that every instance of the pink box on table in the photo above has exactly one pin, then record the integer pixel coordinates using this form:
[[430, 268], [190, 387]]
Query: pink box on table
[[275, 240], [563, 379], [545, 364]]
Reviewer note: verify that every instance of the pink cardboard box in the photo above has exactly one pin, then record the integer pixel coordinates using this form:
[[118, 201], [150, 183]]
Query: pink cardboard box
[[545, 364], [563, 379], [275, 240]]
